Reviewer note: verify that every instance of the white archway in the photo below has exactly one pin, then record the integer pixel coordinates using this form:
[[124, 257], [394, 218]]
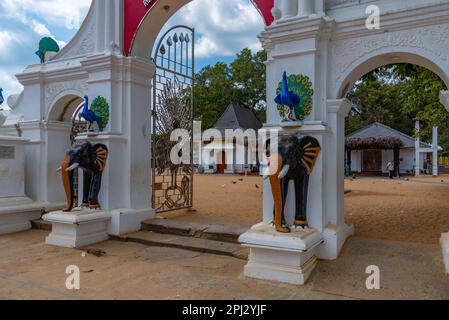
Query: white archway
[[387, 56]]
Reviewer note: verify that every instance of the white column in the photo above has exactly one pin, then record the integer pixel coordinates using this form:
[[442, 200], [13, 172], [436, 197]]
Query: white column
[[125, 82], [109, 28], [289, 9], [276, 11], [417, 150], [335, 231], [100, 25], [319, 8], [305, 8], [435, 151]]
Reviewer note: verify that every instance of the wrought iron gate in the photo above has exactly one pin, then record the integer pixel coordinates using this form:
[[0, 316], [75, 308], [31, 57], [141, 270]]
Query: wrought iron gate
[[172, 108]]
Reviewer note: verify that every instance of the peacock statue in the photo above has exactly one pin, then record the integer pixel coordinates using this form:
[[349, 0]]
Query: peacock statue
[[1, 97], [289, 99], [47, 47], [97, 115]]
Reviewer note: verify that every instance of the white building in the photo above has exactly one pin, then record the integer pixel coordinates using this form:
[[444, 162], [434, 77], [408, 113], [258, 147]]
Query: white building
[[373, 148], [232, 155]]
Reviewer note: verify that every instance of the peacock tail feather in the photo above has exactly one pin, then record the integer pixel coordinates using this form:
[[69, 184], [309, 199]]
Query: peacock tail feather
[[302, 86], [48, 44], [101, 109]]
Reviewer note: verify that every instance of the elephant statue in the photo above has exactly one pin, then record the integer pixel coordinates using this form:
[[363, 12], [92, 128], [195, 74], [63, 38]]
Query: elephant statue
[[296, 159], [92, 160]]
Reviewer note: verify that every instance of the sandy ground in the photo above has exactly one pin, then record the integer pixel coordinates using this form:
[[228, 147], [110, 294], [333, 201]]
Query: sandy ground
[[410, 211], [225, 199], [29, 269]]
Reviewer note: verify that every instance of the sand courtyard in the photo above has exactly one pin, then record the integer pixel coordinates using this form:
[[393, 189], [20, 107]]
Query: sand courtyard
[[398, 224], [408, 210]]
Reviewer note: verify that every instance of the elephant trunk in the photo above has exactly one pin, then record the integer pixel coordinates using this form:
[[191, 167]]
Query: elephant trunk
[[275, 181], [67, 181]]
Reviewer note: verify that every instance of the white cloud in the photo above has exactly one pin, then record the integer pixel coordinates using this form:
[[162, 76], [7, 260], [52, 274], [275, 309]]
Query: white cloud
[[40, 29], [55, 12], [23, 23], [224, 27]]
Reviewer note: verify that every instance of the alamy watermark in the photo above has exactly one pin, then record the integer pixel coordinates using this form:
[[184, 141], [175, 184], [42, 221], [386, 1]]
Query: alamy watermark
[[373, 20], [73, 281], [373, 280]]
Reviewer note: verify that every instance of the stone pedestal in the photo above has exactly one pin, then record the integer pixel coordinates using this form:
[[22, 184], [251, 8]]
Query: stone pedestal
[[283, 257], [445, 245], [16, 209], [78, 228]]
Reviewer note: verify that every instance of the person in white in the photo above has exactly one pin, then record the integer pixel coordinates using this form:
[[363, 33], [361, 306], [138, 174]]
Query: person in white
[[390, 168]]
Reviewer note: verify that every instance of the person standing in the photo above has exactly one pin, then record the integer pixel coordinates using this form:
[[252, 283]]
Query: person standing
[[390, 168]]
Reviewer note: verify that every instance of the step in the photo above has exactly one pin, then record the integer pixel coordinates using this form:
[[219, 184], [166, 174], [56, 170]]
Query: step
[[155, 239], [41, 225], [203, 230]]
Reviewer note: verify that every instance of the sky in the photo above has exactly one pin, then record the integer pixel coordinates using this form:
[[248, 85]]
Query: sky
[[223, 29]]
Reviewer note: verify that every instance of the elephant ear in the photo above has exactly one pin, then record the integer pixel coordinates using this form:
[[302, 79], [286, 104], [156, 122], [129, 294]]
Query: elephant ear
[[310, 150], [101, 156]]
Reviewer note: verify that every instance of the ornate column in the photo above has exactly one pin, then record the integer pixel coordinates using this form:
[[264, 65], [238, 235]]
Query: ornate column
[[319, 8], [100, 24], [306, 8], [289, 9]]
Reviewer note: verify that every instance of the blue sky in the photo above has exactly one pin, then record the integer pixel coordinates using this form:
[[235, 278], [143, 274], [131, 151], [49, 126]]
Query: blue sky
[[223, 29]]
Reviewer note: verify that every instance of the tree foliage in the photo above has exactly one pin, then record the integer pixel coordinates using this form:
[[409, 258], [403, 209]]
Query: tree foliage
[[396, 95], [241, 82]]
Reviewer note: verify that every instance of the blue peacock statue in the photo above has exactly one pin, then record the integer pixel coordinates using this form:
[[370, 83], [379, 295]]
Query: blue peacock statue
[[87, 114], [1, 97], [97, 114], [289, 99]]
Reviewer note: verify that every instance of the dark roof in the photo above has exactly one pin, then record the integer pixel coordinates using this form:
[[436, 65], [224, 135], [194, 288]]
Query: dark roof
[[236, 117], [377, 129]]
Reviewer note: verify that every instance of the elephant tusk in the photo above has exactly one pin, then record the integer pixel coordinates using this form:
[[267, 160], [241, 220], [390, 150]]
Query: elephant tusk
[[266, 172], [73, 167], [284, 171]]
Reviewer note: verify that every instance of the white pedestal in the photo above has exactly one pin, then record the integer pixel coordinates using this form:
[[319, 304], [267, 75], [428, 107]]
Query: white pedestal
[[16, 214], [78, 228], [16, 209], [445, 245], [283, 257]]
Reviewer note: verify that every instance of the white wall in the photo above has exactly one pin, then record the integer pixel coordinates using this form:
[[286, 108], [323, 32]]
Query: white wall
[[408, 162]]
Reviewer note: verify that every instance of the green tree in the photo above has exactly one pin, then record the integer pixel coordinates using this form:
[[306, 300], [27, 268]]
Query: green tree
[[241, 82], [396, 95]]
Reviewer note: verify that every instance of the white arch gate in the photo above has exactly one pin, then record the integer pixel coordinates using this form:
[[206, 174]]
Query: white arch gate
[[329, 43]]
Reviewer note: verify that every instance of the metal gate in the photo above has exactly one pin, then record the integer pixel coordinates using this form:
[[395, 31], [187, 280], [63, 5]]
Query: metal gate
[[172, 108]]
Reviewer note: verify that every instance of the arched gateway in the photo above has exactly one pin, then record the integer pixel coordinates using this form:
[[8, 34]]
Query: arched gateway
[[328, 41]]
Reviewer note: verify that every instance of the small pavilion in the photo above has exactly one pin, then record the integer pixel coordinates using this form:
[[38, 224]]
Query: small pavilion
[[371, 148]]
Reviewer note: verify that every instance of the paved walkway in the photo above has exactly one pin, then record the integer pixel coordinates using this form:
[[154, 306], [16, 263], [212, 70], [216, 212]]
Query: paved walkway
[[29, 269]]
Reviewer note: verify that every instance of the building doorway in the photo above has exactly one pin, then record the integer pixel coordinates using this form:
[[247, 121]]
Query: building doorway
[[222, 165], [372, 160]]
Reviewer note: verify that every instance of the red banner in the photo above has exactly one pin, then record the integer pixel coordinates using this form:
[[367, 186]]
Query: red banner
[[135, 11]]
